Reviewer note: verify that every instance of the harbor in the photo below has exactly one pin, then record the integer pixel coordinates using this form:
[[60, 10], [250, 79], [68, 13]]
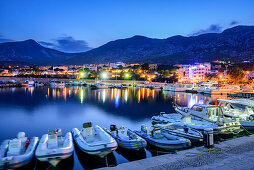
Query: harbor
[[137, 111]]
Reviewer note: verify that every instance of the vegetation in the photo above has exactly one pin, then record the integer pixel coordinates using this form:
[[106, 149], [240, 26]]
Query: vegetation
[[235, 75]]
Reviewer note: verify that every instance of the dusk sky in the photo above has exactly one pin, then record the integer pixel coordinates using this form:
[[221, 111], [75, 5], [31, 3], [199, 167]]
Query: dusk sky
[[74, 26]]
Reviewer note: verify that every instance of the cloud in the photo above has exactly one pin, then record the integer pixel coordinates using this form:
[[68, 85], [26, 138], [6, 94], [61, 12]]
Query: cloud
[[234, 23], [211, 29], [3, 40], [67, 44]]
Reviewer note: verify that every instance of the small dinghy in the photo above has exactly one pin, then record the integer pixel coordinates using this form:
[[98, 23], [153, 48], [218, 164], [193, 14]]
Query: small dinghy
[[94, 140], [156, 137], [126, 138], [53, 147], [17, 152], [184, 121], [186, 132]]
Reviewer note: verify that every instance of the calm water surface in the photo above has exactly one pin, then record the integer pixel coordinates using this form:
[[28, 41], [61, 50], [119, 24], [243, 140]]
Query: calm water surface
[[36, 110]]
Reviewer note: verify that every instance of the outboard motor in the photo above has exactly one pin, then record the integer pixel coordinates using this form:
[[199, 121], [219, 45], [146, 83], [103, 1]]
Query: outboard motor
[[144, 128], [113, 128], [161, 113], [208, 138], [251, 117], [186, 129]]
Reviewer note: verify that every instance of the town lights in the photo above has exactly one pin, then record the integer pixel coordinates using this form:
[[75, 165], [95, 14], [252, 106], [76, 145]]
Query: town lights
[[127, 75], [82, 74], [104, 75]]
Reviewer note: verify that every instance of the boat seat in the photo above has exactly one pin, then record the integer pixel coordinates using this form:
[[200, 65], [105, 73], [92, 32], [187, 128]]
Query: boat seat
[[14, 147], [52, 140], [156, 132], [122, 133], [186, 119], [88, 133]]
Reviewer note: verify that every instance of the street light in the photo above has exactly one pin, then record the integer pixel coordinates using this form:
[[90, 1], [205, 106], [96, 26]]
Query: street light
[[82, 74], [127, 75], [104, 75]]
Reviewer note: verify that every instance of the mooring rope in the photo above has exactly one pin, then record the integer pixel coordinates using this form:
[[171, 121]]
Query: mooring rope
[[217, 150]]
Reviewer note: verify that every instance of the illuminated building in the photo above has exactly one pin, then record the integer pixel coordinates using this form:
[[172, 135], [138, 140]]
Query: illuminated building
[[193, 73], [153, 66]]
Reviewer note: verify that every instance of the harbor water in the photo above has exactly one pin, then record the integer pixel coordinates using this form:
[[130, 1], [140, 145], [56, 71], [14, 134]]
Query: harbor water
[[35, 110]]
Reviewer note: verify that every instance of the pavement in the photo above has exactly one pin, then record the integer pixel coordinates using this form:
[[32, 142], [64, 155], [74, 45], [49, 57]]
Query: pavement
[[240, 156]]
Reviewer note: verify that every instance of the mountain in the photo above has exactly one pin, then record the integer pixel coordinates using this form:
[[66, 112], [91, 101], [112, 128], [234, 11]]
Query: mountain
[[31, 52], [235, 44]]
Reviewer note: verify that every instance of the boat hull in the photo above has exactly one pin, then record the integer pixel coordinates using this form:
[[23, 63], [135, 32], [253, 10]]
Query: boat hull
[[12, 162], [137, 144], [100, 150], [166, 144], [54, 156], [247, 124]]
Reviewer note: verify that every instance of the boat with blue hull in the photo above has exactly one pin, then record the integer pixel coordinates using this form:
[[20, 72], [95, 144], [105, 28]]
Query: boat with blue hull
[[94, 140], [184, 120], [156, 137], [17, 152], [186, 132], [126, 138]]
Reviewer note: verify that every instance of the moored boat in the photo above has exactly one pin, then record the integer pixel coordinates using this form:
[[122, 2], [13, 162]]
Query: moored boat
[[53, 147], [156, 137], [57, 84], [184, 121], [213, 114], [28, 83], [94, 140], [236, 108], [186, 132], [126, 138], [17, 152], [98, 86]]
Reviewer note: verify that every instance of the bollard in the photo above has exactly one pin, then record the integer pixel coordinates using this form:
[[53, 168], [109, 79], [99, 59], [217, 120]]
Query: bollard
[[208, 138]]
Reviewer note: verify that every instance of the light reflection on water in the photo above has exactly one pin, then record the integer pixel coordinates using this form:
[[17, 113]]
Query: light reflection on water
[[36, 110]]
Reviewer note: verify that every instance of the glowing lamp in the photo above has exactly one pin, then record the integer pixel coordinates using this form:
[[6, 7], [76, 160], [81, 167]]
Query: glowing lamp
[[104, 75]]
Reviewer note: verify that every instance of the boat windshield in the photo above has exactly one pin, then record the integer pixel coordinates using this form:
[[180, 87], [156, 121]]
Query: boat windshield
[[197, 108], [214, 111]]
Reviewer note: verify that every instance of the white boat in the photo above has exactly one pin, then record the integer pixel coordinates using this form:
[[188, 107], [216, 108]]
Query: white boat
[[126, 138], [81, 83], [184, 121], [94, 140], [212, 114], [12, 81], [236, 108], [154, 136], [57, 84], [38, 84], [17, 152], [53, 147], [70, 83], [168, 87], [155, 87], [75, 83], [98, 86], [186, 132], [183, 87], [28, 83]]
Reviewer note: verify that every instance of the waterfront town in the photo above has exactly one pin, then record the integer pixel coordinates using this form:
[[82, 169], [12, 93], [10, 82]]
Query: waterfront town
[[185, 73]]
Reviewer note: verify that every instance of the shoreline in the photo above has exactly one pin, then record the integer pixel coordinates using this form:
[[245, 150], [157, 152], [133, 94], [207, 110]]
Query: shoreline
[[44, 80], [240, 156]]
